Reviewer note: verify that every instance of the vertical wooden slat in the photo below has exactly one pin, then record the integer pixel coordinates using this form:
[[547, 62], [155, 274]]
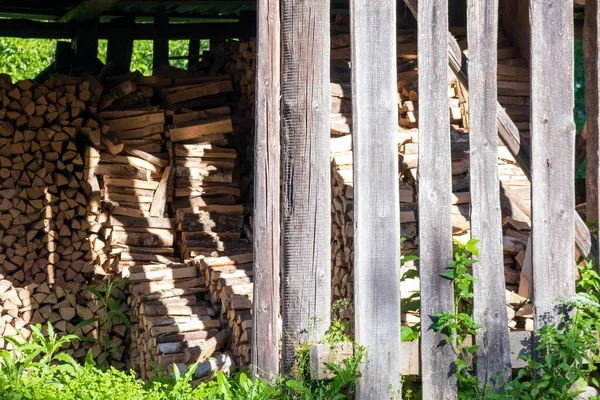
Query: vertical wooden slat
[[376, 195], [306, 174], [435, 188], [591, 51], [509, 134], [489, 303], [553, 156], [267, 241]]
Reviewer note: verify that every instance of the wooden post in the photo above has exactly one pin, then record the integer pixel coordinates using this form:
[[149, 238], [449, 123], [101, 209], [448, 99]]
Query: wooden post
[[376, 216], [266, 333], [160, 45], [306, 174], [63, 57], [85, 44], [489, 303], [553, 157], [193, 52], [435, 190], [119, 51], [591, 52]]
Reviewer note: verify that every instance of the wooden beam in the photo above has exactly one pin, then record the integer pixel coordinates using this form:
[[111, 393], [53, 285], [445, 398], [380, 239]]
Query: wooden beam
[[266, 333], [435, 191], [85, 44], [553, 158], [377, 218], [160, 45], [591, 52], [193, 52], [306, 178], [509, 134], [521, 344], [119, 51], [87, 10], [489, 303]]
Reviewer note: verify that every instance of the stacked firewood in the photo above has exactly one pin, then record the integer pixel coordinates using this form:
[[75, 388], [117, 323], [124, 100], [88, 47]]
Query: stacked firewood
[[135, 183], [229, 281], [205, 195], [66, 306], [173, 319], [44, 194]]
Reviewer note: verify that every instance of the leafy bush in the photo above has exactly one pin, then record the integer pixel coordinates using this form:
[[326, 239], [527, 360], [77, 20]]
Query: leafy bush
[[25, 58], [566, 353]]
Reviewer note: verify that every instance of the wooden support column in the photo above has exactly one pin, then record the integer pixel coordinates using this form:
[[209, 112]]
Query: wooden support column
[[553, 157], [306, 174], [63, 57], [160, 44], [591, 52], [193, 52], [435, 190], [489, 303], [119, 51], [85, 44], [266, 331], [376, 195]]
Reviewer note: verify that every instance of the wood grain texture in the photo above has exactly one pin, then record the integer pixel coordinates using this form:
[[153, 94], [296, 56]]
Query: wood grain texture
[[489, 303], [266, 332], [553, 156], [306, 174], [591, 51], [376, 216], [509, 134], [435, 190]]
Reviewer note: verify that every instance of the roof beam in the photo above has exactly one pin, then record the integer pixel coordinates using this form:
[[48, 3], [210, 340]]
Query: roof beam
[[87, 10]]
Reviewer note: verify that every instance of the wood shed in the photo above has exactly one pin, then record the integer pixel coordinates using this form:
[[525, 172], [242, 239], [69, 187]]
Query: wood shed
[[288, 169]]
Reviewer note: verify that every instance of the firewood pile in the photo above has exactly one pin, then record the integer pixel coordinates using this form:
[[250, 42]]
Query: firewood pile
[[65, 305], [513, 92], [170, 194], [229, 281], [173, 319], [44, 196]]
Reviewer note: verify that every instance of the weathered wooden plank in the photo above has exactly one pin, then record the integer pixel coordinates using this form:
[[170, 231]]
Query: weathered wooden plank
[[266, 334], [591, 52], [510, 136], [489, 303], [435, 190], [553, 156], [377, 218], [306, 180]]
